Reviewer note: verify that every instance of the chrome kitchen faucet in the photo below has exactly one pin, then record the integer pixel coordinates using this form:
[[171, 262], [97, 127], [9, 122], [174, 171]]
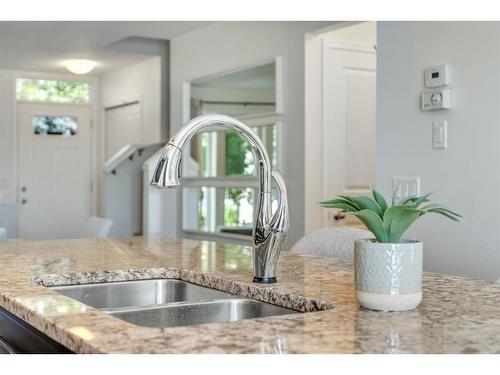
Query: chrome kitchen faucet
[[269, 230]]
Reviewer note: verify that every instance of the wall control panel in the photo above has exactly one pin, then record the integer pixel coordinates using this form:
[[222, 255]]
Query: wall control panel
[[436, 99], [437, 76]]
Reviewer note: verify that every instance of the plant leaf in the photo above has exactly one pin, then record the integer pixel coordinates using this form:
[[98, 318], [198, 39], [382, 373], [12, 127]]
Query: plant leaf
[[445, 213], [351, 201], [380, 200], [421, 200], [395, 192], [441, 207], [373, 222], [340, 206], [398, 219], [408, 199], [338, 201], [367, 203]]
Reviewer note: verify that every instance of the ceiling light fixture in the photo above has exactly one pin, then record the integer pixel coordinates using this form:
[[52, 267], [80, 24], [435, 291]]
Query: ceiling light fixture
[[80, 66]]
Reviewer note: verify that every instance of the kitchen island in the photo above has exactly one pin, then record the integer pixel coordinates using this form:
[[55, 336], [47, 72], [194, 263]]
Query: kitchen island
[[457, 315]]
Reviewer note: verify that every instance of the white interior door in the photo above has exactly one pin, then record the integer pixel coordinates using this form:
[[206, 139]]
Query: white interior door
[[54, 170], [349, 105], [123, 127]]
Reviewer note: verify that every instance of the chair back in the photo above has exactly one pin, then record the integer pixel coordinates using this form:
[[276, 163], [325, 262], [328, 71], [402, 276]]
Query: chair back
[[337, 242], [3, 234], [97, 227]]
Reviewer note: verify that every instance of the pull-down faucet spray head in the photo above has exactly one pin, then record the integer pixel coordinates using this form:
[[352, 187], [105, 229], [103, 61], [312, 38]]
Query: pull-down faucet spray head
[[167, 172]]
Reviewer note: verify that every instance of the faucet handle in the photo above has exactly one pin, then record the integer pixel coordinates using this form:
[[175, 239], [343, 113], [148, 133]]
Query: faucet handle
[[280, 220]]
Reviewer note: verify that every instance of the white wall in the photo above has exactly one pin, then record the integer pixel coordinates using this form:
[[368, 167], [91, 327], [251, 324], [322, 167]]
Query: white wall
[[466, 176], [142, 82], [359, 33], [225, 46], [124, 195], [137, 82], [8, 206]]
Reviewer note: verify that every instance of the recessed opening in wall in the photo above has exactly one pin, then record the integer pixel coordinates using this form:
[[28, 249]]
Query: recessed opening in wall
[[220, 174]]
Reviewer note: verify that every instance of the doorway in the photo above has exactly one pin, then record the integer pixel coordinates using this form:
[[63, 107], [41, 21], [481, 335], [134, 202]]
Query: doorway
[[340, 120], [54, 170]]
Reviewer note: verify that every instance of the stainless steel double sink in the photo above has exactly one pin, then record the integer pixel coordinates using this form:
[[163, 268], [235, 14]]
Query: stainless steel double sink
[[168, 303]]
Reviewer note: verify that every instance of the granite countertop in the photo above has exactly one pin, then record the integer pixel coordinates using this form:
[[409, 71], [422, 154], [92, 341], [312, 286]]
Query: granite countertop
[[457, 315]]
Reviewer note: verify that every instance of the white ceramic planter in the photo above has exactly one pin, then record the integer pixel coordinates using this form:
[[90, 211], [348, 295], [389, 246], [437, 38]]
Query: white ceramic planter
[[388, 276]]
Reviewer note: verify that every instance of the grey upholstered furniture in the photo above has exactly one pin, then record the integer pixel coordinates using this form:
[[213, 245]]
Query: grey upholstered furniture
[[3, 234], [96, 227], [337, 242]]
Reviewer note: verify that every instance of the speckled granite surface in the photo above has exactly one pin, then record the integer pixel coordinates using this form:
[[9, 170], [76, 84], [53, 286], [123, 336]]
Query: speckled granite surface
[[457, 315]]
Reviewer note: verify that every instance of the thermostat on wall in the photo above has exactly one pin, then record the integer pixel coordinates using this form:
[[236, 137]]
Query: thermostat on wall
[[436, 76], [436, 99]]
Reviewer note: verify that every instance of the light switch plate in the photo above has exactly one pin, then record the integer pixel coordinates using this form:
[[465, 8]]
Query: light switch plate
[[440, 135], [405, 187]]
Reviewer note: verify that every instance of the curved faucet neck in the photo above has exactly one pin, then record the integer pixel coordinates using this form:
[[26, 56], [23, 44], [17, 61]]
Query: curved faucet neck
[[204, 122]]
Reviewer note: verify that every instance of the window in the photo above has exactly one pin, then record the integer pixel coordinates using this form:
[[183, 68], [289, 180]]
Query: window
[[227, 210], [64, 126], [219, 167], [41, 90], [236, 209], [226, 153]]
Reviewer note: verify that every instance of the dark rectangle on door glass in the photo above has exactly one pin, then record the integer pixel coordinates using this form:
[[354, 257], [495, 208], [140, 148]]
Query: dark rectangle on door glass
[[64, 126]]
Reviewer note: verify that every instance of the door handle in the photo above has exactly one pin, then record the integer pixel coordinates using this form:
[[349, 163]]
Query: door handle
[[23, 189], [24, 201], [339, 216]]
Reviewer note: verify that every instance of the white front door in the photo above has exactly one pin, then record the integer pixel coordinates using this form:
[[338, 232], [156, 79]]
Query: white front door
[[54, 170], [348, 124]]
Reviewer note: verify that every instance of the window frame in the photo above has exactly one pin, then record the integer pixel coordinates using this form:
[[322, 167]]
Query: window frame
[[236, 181], [55, 136], [53, 77]]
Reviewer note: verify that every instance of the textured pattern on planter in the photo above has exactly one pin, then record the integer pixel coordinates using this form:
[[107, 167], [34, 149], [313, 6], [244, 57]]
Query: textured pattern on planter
[[388, 268]]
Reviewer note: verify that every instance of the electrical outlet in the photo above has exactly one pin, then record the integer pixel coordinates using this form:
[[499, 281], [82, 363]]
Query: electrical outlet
[[405, 187]]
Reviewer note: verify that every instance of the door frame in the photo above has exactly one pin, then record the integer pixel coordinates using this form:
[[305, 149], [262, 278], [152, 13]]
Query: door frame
[[95, 152], [315, 47]]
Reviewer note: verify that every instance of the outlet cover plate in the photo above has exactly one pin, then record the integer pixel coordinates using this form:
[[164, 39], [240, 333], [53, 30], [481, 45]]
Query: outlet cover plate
[[405, 187]]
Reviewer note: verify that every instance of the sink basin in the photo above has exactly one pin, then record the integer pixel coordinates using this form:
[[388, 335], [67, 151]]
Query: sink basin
[[182, 314], [139, 293], [168, 302]]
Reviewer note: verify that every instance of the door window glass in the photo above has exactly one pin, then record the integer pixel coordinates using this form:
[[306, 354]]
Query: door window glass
[[65, 126]]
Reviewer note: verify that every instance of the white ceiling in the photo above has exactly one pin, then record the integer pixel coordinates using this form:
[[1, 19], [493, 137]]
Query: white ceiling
[[42, 46]]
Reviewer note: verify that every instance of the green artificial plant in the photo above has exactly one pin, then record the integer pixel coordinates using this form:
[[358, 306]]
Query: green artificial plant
[[388, 224]]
